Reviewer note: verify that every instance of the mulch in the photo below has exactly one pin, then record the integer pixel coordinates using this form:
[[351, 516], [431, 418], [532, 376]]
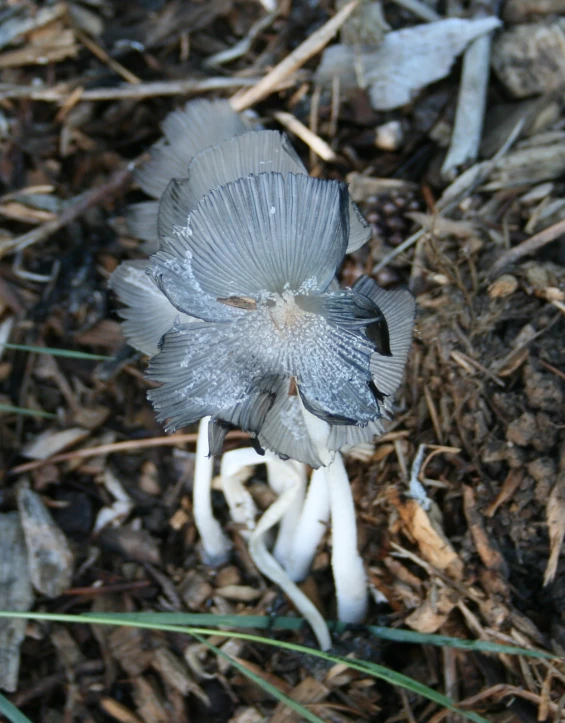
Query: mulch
[[83, 89]]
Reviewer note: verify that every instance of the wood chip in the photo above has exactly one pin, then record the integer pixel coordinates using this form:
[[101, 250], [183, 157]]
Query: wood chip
[[308, 691], [433, 612], [118, 711], [131, 648], [504, 286], [509, 486], [50, 559], [243, 593], [488, 552], [556, 524], [48, 45], [15, 594], [443, 227], [195, 590], [362, 188], [52, 442], [175, 672], [430, 537]]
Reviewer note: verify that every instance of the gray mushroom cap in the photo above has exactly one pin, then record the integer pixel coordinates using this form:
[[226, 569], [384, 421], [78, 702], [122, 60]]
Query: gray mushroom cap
[[240, 309], [208, 144]]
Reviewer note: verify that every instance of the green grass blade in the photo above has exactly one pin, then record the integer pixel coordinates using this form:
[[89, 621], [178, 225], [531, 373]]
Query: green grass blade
[[262, 622], [367, 668], [10, 409], [264, 684], [69, 353], [11, 712], [373, 669]]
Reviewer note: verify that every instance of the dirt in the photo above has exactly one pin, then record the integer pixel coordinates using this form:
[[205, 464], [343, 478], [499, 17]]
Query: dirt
[[484, 391]]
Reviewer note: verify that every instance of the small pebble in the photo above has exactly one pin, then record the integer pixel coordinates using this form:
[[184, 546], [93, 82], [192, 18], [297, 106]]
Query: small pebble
[[503, 286], [389, 136]]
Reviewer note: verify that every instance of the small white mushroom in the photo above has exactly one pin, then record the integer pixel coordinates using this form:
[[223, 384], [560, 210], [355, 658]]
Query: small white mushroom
[[347, 565], [283, 475], [310, 528], [236, 468], [215, 545]]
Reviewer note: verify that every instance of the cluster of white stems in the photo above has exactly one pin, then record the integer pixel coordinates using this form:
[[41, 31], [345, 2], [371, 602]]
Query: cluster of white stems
[[302, 510]]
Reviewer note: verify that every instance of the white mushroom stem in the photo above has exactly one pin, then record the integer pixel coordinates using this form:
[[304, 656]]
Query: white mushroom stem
[[215, 545], [283, 475], [267, 564], [236, 468], [312, 525], [349, 573]]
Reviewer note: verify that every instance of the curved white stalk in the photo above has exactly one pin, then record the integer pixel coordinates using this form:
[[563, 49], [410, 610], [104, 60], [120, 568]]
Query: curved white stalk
[[312, 525], [283, 475], [215, 545], [235, 469], [349, 574], [267, 564]]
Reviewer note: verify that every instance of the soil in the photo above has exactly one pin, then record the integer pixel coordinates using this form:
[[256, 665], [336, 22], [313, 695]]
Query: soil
[[484, 391]]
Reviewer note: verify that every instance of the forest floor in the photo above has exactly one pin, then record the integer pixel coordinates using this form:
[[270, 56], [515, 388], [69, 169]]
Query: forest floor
[[83, 89]]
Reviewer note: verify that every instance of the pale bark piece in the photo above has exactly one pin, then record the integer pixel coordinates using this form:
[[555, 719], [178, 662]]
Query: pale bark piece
[[530, 59], [118, 711], [50, 559], [131, 647], [556, 525], [149, 702], [15, 594], [13, 29], [362, 188], [405, 62], [52, 442], [433, 612], [307, 692], [430, 537], [528, 165], [487, 548], [176, 673]]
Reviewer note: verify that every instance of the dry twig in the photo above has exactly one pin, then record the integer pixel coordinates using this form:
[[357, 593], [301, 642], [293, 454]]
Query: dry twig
[[130, 445], [294, 60], [529, 246]]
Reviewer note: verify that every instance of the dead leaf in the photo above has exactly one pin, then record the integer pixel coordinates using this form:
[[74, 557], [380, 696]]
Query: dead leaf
[[405, 62], [433, 612], [431, 539]]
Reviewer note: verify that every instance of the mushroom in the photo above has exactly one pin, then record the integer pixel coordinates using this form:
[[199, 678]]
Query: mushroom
[[242, 315], [215, 545]]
